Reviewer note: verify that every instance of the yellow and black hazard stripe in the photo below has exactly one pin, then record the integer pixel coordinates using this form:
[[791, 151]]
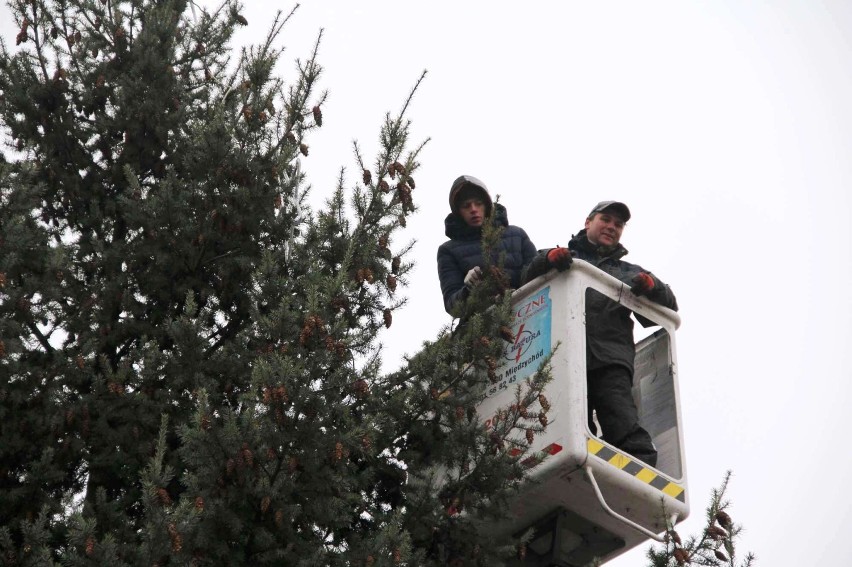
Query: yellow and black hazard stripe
[[636, 469]]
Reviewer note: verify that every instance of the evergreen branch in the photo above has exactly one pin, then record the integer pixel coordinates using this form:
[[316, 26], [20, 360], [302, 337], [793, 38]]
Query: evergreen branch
[[220, 256], [410, 97], [40, 336]]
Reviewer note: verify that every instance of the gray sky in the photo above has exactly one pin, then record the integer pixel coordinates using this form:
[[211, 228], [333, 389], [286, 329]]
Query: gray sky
[[725, 126]]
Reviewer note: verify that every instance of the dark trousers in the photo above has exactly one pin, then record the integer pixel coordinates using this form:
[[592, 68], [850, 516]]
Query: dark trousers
[[610, 395]]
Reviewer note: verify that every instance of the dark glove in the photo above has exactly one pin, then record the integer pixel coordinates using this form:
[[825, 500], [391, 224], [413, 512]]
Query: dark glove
[[643, 284], [473, 276], [559, 258]]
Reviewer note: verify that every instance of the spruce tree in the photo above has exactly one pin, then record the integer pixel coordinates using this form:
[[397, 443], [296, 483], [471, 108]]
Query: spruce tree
[[715, 546], [191, 355]]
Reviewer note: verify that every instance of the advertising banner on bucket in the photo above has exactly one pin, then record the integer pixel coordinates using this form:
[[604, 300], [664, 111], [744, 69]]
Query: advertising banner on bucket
[[531, 329]]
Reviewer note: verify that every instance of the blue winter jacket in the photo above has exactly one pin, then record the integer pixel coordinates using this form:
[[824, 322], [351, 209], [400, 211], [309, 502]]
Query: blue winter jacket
[[463, 251]]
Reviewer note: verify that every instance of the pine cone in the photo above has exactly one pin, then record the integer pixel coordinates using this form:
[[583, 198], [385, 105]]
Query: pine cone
[[199, 504], [395, 264], [388, 318], [681, 556], [506, 334], [403, 193], [247, 455], [542, 419], [367, 177], [545, 404], [716, 532], [724, 519], [303, 148], [500, 278], [530, 436], [90, 546], [384, 187], [177, 540], [163, 496], [361, 387], [391, 282], [317, 115], [720, 556]]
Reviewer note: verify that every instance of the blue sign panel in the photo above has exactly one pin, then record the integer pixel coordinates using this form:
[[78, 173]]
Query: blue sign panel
[[531, 329]]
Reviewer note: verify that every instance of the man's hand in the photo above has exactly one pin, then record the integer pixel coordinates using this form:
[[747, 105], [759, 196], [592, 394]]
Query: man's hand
[[559, 258], [643, 284], [473, 277]]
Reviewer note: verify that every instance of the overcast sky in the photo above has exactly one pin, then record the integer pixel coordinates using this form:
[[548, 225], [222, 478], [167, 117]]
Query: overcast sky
[[725, 126]]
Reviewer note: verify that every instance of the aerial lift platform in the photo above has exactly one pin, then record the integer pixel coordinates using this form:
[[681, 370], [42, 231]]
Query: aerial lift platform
[[584, 498]]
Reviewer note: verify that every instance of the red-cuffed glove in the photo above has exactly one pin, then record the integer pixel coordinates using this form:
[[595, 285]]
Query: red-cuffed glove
[[559, 258], [643, 284]]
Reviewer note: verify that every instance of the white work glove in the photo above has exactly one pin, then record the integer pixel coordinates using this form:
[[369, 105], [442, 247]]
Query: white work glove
[[473, 276]]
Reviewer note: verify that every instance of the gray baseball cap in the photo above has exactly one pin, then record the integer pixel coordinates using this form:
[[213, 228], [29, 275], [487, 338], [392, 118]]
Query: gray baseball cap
[[616, 207]]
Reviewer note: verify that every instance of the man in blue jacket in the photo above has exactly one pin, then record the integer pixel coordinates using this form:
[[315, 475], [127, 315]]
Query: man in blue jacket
[[610, 350], [460, 259]]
